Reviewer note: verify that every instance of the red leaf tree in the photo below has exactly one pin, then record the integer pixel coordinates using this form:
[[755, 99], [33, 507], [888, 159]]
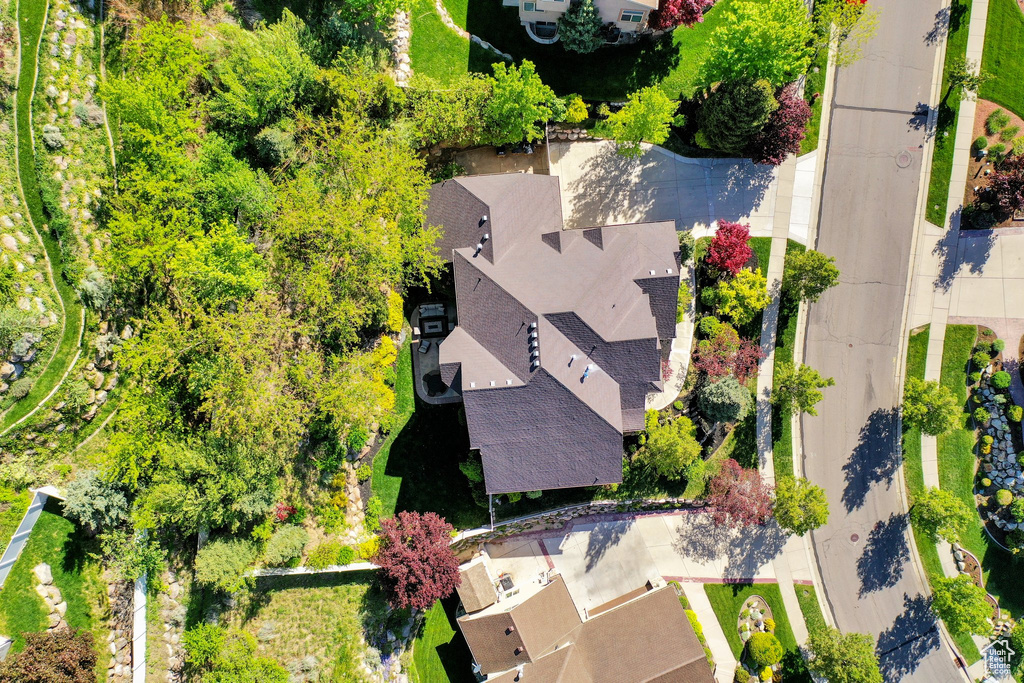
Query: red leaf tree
[[417, 565], [1005, 189], [739, 497], [729, 250], [66, 656], [726, 353], [674, 13], [781, 136]]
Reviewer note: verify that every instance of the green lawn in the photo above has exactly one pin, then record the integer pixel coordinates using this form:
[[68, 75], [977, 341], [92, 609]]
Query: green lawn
[[949, 109], [417, 467], [815, 84], [785, 343], [31, 14], [810, 608], [12, 508], [917, 352], [762, 247], [1004, 55], [440, 654], [671, 61], [727, 600], [60, 544]]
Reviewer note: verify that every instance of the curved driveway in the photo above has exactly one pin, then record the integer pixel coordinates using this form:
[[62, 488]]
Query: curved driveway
[[869, 200]]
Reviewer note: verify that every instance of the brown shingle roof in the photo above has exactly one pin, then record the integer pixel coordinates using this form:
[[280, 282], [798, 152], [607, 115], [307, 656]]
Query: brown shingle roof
[[531, 629], [476, 589], [604, 295]]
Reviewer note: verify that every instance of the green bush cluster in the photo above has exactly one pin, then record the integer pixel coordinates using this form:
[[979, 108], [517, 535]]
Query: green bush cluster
[[981, 143], [764, 649], [1017, 510], [1001, 380], [286, 544], [364, 473], [329, 554], [1007, 134], [975, 377], [1015, 413], [998, 345], [1004, 497], [981, 360], [742, 676], [986, 482], [981, 415], [996, 121]]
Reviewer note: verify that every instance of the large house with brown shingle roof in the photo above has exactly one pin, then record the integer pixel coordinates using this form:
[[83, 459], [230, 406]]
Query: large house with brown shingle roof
[[643, 637], [560, 332]]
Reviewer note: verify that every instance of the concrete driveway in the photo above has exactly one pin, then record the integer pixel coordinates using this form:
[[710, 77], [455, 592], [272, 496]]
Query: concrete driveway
[[599, 187]]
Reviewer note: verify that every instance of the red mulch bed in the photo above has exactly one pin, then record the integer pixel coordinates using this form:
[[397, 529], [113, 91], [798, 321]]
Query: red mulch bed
[[975, 168]]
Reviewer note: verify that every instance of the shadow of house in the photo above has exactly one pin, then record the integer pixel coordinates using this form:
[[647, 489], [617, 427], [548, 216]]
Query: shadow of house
[[874, 460], [886, 553], [904, 645]]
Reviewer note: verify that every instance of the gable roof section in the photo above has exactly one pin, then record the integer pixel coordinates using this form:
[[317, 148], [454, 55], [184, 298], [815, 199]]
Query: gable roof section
[[476, 590], [524, 633]]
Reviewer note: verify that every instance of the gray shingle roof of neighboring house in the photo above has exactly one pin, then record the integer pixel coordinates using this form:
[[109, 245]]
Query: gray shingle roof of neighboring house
[[537, 305], [647, 639]]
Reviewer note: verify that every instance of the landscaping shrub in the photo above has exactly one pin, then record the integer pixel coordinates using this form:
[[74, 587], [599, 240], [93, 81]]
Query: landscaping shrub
[[576, 112], [1001, 380], [1004, 497], [709, 324], [324, 555], [222, 563], [998, 345], [769, 624], [981, 415], [997, 150], [678, 405], [52, 137], [724, 401], [286, 543], [579, 29], [766, 674], [742, 676], [364, 473], [986, 482], [367, 549], [987, 440], [975, 399], [687, 245], [981, 143], [996, 121], [374, 509], [1018, 145], [981, 360], [685, 298], [765, 649], [975, 377], [983, 347], [1017, 509], [356, 438], [347, 555], [1015, 413], [63, 656], [1007, 134], [20, 388], [94, 503]]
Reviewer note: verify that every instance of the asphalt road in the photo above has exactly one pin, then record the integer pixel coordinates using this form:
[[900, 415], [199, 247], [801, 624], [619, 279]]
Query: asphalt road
[[869, 196]]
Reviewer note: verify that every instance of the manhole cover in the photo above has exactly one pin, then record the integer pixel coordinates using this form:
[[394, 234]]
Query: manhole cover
[[854, 538], [903, 159]]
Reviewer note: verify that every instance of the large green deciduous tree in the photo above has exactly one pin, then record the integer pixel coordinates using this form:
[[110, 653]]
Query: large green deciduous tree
[[519, 104], [645, 118], [940, 514], [797, 389], [962, 604], [800, 506], [930, 406], [849, 26], [808, 274], [770, 40], [671, 447], [843, 657], [734, 113]]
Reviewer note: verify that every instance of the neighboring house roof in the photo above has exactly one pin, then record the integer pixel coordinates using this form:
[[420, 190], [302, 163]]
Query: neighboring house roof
[[531, 296], [476, 590], [647, 639], [504, 640]]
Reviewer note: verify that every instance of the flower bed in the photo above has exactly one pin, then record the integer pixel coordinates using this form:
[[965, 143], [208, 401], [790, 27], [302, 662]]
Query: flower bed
[[1000, 479]]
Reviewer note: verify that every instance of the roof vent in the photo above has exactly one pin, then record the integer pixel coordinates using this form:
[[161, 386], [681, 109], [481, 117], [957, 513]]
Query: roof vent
[[535, 364], [483, 219], [472, 385], [492, 382], [508, 382], [478, 249], [534, 354], [533, 326], [668, 271], [519, 651], [534, 343], [533, 335], [510, 629], [480, 246], [587, 370], [571, 359], [486, 237]]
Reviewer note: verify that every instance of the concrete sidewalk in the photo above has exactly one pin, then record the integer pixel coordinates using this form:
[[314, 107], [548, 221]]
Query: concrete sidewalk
[[725, 662]]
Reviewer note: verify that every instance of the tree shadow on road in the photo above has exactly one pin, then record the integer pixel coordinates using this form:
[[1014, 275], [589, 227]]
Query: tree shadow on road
[[873, 460], [885, 555], [604, 535], [905, 644]]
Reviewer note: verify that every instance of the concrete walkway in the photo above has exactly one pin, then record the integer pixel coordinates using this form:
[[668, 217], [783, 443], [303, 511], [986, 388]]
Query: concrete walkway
[[679, 355], [725, 662]]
